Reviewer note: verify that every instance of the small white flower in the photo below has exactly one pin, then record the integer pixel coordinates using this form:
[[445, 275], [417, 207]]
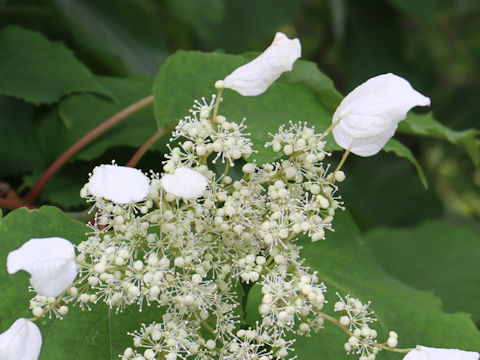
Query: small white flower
[[50, 262], [185, 183], [368, 116], [22, 341], [426, 353], [256, 76], [120, 184]]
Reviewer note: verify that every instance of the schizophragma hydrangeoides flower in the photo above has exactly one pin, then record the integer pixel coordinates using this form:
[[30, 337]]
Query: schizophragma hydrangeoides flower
[[428, 353], [22, 341], [368, 116], [49, 261], [119, 184], [255, 77], [186, 240]]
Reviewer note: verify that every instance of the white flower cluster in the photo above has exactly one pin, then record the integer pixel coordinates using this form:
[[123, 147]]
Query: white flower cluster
[[195, 236], [188, 241]]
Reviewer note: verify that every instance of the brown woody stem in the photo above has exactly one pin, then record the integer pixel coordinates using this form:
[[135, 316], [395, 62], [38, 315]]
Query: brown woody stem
[[80, 144], [143, 149]]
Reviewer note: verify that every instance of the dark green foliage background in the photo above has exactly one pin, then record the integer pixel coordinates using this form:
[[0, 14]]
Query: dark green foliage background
[[66, 66]]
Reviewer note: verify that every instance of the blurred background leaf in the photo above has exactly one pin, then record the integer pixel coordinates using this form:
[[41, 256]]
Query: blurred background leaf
[[39, 71], [433, 256], [125, 33]]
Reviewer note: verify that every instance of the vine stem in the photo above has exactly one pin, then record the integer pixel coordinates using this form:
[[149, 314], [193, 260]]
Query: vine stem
[[80, 144], [345, 329], [143, 149], [12, 205]]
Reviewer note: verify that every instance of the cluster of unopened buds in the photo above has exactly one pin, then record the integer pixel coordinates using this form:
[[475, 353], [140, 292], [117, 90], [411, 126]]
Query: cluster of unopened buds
[[186, 239]]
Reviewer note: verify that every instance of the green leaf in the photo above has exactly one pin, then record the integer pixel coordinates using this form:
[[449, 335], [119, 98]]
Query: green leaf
[[186, 76], [389, 188], [307, 73], [124, 29], [401, 150], [346, 266], [19, 152], [96, 334], [426, 125], [440, 257], [79, 114], [40, 71]]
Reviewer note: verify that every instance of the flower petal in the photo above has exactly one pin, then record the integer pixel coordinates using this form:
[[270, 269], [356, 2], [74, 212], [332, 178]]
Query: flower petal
[[50, 262], [22, 341], [120, 184], [256, 76], [426, 353], [185, 183], [368, 116]]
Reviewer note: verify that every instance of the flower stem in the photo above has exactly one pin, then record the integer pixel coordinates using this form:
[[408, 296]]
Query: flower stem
[[143, 149], [346, 330], [330, 128], [57, 301], [218, 99], [80, 144], [342, 161], [12, 205]]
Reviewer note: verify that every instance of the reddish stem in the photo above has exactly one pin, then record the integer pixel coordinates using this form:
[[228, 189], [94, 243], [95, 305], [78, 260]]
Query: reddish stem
[[80, 144], [12, 205], [143, 149]]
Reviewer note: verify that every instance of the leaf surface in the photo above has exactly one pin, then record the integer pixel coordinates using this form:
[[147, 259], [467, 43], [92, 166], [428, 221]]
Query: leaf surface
[[19, 152], [426, 125], [126, 31], [433, 256], [40, 71]]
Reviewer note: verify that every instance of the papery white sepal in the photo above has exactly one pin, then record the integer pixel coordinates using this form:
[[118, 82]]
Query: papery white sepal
[[120, 184], [255, 77], [368, 116], [22, 341], [427, 353], [50, 262], [185, 183]]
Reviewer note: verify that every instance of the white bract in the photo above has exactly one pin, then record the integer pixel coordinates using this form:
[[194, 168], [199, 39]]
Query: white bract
[[426, 353], [368, 116], [256, 76], [185, 183], [50, 262], [120, 184], [22, 341]]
